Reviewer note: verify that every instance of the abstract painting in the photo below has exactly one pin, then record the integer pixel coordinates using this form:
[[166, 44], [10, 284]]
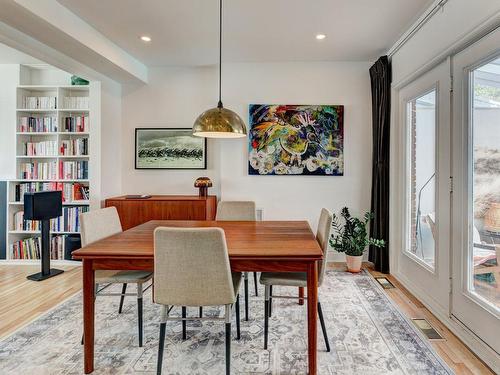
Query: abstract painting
[[296, 140], [166, 148]]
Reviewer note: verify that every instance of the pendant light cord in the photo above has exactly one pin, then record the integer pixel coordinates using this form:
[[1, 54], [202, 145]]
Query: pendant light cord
[[219, 105]]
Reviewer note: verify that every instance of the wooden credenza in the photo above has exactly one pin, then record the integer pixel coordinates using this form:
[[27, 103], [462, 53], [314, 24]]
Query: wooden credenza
[[133, 212]]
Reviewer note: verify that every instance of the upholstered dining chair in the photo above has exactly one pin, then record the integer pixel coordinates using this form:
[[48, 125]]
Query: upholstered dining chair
[[239, 211], [183, 257], [298, 279], [96, 225]]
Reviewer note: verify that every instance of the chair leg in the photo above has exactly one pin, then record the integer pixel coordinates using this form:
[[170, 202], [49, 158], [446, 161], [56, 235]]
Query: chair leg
[[184, 335], [270, 300], [122, 298], [245, 280], [237, 307], [139, 312], [228, 339], [201, 311], [161, 346], [255, 284], [322, 321], [266, 315]]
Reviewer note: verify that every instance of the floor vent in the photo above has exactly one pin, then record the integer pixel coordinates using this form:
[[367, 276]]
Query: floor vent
[[429, 331], [386, 284]]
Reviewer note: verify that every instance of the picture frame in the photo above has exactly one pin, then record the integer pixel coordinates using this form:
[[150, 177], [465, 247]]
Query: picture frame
[[169, 148], [296, 140]]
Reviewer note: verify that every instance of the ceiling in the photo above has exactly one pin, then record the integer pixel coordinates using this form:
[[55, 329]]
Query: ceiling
[[185, 32]]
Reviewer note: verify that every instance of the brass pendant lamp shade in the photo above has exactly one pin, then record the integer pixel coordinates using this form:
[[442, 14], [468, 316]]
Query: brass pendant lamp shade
[[219, 122]]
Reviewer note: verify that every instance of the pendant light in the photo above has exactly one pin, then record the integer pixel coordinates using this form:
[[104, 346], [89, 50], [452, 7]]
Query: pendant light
[[219, 122]]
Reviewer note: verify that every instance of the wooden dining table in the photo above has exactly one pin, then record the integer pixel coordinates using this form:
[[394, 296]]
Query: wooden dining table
[[260, 246]]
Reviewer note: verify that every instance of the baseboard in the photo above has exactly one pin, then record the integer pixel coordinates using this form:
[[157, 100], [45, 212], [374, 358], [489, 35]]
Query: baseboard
[[469, 339]]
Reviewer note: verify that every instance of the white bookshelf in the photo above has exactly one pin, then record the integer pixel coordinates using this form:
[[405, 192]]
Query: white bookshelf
[[59, 112]]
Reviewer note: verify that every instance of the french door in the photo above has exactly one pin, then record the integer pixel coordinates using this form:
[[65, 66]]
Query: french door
[[476, 189], [424, 175]]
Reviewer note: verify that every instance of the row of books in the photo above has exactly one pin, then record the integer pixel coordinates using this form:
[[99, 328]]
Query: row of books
[[38, 170], [42, 148], [39, 102], [67, 222], [30, 248], [76, 123], [68, 170], [71, 191], [76, 102], [75, 147], [29, 124]]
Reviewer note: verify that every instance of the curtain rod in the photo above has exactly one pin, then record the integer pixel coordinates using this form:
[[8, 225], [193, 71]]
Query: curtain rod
[[417, 26]]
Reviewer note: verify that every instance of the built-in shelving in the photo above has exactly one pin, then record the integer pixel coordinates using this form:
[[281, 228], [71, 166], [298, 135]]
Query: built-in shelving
[[55, 103]]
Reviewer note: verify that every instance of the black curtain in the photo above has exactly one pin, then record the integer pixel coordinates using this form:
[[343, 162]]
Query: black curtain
[[380, 74]]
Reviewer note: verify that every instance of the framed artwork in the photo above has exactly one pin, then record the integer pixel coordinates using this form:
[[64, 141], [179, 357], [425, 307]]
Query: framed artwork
[[296, 140], [169, 148]]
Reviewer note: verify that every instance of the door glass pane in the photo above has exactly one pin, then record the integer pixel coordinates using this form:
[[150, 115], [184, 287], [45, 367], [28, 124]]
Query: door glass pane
[[484, 270], [422, 177]]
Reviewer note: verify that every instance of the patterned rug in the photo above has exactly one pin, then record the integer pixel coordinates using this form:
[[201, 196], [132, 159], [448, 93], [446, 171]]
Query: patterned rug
[[368, 335]]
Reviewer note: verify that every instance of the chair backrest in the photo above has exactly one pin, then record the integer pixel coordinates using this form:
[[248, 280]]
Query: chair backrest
[[191, 267], [322, 236], [236, 211], [99, 224]]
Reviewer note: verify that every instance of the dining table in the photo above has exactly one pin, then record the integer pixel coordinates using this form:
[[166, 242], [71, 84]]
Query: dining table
[[253, 246]]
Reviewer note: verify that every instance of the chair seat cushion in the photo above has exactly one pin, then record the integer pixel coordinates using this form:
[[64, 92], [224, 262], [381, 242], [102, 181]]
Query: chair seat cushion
[[284, 278], [104, 276]]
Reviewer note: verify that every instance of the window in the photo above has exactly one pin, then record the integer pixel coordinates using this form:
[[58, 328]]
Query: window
[[485, 239], [421, 124]]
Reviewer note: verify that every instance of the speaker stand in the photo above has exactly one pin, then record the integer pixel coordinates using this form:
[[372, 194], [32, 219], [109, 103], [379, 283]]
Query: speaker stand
[[46, 271]]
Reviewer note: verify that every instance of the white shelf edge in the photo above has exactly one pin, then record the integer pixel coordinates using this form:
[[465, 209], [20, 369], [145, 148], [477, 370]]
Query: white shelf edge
[[53, 157], [48, 180], [72, 203], [38, 232], [60, 262], [53, 133], [52, 110]]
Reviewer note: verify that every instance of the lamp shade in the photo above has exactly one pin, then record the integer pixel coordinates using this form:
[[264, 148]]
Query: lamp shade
[[219, 123]]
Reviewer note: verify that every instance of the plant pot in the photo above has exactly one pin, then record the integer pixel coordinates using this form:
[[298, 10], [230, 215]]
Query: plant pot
[[354, 263]]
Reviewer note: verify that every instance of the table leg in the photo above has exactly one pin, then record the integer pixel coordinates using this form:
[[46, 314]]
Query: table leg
[[88, 315], [301, 296], [312, 312]]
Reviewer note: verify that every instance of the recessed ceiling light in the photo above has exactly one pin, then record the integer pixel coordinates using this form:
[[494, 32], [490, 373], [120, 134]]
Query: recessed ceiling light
[[146, 38], [320, 36]]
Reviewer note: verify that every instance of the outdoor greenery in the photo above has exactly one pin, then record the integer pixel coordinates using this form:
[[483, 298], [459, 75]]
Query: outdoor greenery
[[352, 237], [488, 92]]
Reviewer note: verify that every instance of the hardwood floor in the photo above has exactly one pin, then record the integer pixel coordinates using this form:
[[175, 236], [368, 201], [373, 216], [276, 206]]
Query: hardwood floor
[[23, 301]]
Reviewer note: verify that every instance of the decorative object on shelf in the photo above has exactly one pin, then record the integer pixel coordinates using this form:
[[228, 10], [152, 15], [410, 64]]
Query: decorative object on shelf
[[492, 218], [296, 140], [219, 122], [78, 81], [203, 183], [43, 206], [352, 238], [164, 148]]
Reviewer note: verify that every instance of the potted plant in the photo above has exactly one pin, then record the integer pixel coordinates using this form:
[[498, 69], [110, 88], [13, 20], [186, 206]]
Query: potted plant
[[352, 238]]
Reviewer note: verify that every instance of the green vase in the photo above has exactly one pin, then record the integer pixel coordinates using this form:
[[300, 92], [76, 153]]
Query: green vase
[[77, 81]]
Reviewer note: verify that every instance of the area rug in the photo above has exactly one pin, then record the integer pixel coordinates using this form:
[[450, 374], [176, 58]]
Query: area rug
[[368, 335]]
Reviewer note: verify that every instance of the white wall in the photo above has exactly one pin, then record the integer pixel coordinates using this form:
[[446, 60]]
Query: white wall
[[175, 96], [110, 139], [301, 197], [9, 78]]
